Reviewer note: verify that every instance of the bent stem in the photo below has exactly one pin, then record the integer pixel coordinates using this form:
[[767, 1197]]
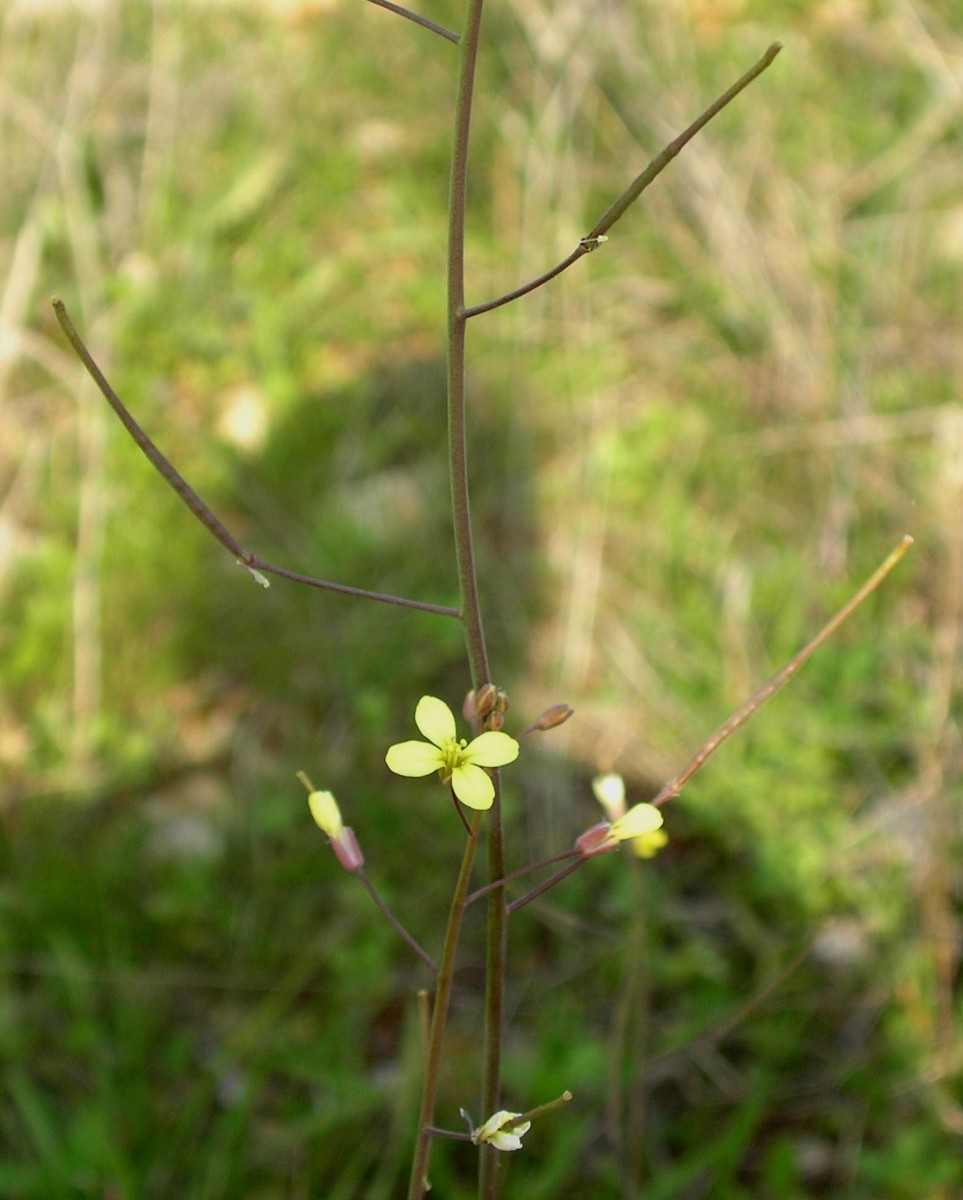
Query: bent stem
[[253, 562]]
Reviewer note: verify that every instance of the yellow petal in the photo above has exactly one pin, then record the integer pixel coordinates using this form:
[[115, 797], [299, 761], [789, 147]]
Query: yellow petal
[[435, 720], [640, 819], [413, 759], [327, 815], [472, 786], [491, 750], [648, 844], [610, 792]]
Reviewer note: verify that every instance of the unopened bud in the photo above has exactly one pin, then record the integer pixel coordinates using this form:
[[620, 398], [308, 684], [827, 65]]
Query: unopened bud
[[553, 716], [494, 720], [485, 699], [347, 851], [501, 700], [549, 718], [597, 840], [327, 815]]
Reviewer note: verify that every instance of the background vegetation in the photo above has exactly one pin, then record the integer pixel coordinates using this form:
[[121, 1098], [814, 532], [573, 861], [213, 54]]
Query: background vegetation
[[688, 450]]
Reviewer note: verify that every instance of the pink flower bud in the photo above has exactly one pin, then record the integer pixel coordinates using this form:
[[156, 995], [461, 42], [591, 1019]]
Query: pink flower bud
[[347, 851], [597, 840]]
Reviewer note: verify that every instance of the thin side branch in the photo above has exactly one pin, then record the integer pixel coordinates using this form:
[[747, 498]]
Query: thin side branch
[[418, 20], [197, 506], [396, 924], [658, 165], [256, 563], [477, 309], [522, 871], [515, 905], [635, 189], [781, 678]]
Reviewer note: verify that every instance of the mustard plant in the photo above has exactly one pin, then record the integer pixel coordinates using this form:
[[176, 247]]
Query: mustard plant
[[469, 767]]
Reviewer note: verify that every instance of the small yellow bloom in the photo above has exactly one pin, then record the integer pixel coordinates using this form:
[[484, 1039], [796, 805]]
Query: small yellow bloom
[[640, 820], [495, 1134], [648, 844], [462, 763], [641, 825], [643, 830], [610, 792], [327, 815]]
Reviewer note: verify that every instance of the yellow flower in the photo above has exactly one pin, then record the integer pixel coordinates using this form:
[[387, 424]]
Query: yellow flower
[[327, 815], [462, 763], [640, 820], [643, 830], [610, 792], [495, 1134], [648, 844], [641, 825]]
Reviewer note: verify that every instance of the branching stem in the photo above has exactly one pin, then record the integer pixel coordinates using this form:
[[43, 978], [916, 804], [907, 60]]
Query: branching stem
[[635, 189], [418, 20], [197, 506]]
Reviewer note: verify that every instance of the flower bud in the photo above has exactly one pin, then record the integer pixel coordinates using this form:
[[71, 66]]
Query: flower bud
[[485, 700], [597, 840], [553, 716], [347, 851], [327, 816]]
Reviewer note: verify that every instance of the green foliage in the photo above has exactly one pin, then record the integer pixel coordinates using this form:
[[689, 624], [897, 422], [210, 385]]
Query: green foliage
[[684, 454]]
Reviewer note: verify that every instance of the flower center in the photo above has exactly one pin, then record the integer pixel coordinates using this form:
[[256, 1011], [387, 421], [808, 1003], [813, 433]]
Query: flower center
[[453, 753]]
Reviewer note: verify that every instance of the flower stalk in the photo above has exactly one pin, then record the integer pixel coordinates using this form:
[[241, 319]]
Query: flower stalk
[[418, 1183]]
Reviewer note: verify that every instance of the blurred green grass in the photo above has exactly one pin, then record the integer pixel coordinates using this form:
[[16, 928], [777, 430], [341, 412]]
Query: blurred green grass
[[687, 451]]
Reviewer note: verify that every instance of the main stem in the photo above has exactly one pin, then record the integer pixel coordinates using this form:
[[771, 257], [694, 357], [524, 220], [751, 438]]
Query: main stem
[[418, 1184], [457, 321], [467, 573]]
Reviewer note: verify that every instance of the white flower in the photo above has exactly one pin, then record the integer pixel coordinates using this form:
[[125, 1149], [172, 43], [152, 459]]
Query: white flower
[[495, 1134]]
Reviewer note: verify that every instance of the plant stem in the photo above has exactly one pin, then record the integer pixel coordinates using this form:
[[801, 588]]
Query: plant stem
[[658, 164], [467, 575], [417, 1185], [457, 446], [395, 923], [635, 189], [417, 18], [246, 558], [781, 678]]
